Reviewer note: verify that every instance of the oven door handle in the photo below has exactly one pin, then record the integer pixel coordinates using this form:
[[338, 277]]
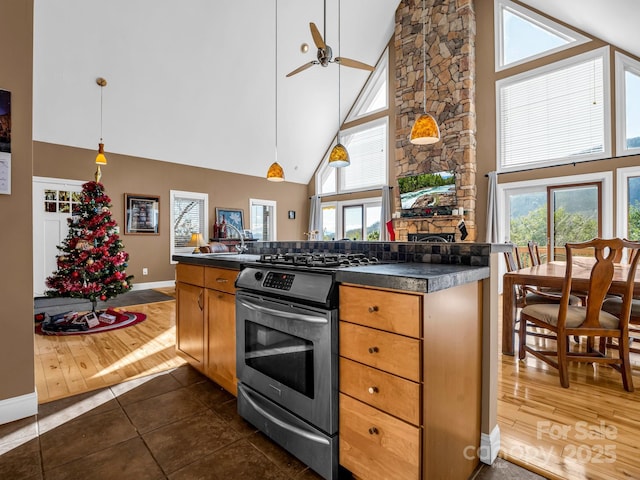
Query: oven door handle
[[282, 424], [280, 313]]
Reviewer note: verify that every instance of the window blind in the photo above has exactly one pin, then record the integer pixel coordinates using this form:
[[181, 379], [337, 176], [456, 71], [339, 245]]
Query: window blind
[[367, 147], [188, 218], [554, 114]]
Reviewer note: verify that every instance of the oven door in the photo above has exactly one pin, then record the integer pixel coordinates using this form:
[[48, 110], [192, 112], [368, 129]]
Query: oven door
[[288, 353]]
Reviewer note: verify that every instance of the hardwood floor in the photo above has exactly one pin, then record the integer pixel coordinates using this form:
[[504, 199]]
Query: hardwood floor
[[588, 431], [68, 365]]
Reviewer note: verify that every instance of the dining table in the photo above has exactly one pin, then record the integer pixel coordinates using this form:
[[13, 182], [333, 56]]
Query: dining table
[[551, 274]]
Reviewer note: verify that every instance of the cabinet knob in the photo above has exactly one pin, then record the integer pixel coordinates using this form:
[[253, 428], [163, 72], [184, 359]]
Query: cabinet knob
[[373, 431], [373, 349], [373, 308], [373, 390]]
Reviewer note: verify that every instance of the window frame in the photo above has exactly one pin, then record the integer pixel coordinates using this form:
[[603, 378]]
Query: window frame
[[573, 38], [273, 223], [604, 54], [622, 199], [173, 194], [623, 63], [380, 74], [339, 206]]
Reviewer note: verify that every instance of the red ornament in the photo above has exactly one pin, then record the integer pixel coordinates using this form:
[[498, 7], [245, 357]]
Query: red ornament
[[74, 274], [103, 297]]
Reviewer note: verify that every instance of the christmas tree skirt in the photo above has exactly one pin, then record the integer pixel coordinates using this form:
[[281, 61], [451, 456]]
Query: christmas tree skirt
[[78, 324]]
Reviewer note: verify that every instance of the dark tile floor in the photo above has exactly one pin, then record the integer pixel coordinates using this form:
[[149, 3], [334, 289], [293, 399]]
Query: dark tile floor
[[175, 425]]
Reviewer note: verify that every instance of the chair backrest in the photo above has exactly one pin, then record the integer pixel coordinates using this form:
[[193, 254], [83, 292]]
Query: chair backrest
[[606, 253], [534, 252], [513, 260]]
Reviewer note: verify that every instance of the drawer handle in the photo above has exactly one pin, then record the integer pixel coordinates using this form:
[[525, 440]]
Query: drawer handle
[[373, 349], [373, 308], [222, 280], [373, 390], [373, 431]]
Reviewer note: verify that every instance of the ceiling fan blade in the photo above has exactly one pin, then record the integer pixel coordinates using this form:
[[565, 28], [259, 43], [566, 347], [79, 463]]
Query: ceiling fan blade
[[317, 38], [347, 62], [301, 68]]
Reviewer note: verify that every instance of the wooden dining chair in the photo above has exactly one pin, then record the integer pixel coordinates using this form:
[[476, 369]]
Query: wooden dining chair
[[564, 320], [534, 252]]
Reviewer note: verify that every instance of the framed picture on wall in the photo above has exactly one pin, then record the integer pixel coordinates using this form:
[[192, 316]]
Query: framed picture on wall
[[231, 216], [141, 214]]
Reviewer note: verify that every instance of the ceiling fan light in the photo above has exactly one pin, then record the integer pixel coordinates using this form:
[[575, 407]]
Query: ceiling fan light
[[425, 130], [339, 157], [275, 173]]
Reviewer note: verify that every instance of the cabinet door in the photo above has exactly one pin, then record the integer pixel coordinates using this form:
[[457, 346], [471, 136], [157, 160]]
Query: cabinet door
[[221, 367], [190, 327]]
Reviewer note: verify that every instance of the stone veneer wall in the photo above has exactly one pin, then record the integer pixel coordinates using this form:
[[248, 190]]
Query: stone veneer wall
[[450, 98]]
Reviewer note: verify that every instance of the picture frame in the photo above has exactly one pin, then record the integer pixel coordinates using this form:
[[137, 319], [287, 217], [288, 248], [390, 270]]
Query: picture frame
[[232, 216], [142, 213]]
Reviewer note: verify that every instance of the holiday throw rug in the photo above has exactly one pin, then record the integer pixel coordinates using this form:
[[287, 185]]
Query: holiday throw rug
[[74, 323]]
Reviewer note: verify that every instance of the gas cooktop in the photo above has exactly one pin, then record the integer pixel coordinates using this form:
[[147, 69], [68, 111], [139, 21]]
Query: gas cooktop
[[317, 260]]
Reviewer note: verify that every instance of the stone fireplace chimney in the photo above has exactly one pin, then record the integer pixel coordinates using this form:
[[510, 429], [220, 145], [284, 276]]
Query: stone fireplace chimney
[[450, 98]]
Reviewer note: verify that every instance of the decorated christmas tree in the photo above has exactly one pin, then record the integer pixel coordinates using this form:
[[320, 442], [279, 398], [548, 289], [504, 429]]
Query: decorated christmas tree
[[91, 263]]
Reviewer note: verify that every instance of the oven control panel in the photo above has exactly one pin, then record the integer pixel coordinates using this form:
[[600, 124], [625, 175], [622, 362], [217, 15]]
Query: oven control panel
[[279, 280]]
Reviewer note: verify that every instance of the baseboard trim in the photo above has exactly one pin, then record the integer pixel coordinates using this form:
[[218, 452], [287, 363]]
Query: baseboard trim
[[15, 408], [150, 285], [490, 446]]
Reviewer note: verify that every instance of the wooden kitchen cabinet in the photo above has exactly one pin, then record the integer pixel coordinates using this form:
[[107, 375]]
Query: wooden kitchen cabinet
[[221, 322], [190, 316], [206, 321], [410, 382]]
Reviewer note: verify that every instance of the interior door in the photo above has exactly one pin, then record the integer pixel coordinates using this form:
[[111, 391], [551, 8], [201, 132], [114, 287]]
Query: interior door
[[53, 203]]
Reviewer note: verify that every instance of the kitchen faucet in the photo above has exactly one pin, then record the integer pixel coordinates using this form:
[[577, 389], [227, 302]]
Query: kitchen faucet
[[242, 247]]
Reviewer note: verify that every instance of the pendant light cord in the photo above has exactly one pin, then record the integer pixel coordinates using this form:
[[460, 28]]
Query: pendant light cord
[[276, 83], [339, 70], [424, 60], [101, 88]]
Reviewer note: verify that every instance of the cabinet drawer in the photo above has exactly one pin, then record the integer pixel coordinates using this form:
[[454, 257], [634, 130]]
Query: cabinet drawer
[[193, 274], [396, 396], [394, 312], [221, 279], [385, 351], [376, 445]]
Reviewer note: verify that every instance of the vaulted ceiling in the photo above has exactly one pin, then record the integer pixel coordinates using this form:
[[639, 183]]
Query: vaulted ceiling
[[194, 82]]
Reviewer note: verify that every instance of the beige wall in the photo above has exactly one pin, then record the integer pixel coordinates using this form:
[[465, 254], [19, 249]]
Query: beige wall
[[16, 289], [125, 174], [486, 117]]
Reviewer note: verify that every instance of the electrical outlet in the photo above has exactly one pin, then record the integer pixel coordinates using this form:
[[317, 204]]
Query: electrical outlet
[[145, 271]]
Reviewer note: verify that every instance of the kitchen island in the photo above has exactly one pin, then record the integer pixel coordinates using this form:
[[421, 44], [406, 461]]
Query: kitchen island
[[422, 413]]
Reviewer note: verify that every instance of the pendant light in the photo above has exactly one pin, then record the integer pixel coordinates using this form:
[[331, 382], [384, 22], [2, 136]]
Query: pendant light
[[275, 172], [425, 130], [339, 157], [100, 158]]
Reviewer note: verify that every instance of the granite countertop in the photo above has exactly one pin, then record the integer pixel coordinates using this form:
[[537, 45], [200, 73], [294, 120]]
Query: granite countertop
[[414, 277], [229, 260]]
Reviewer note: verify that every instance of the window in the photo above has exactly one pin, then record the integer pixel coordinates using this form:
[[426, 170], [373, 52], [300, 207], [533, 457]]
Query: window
[[628, 211], [627, 101], [189, 214], [375, 94], [555, 114], [352, 219], [523, 35], [263, 219], [367, 141]]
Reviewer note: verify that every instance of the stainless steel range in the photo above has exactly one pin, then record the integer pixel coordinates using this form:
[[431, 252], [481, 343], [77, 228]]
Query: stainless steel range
[[287, 353]]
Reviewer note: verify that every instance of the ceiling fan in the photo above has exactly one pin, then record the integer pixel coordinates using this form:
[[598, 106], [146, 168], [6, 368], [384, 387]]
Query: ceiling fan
[[325, 54]]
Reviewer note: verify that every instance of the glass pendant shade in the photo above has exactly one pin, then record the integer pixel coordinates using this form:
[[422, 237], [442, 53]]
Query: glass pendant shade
[[339, 157], [425, 130], [275, 173], [100, 158]]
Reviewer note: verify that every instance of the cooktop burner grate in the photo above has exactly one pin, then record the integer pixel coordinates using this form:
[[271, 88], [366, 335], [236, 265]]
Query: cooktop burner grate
[[317, 259]]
